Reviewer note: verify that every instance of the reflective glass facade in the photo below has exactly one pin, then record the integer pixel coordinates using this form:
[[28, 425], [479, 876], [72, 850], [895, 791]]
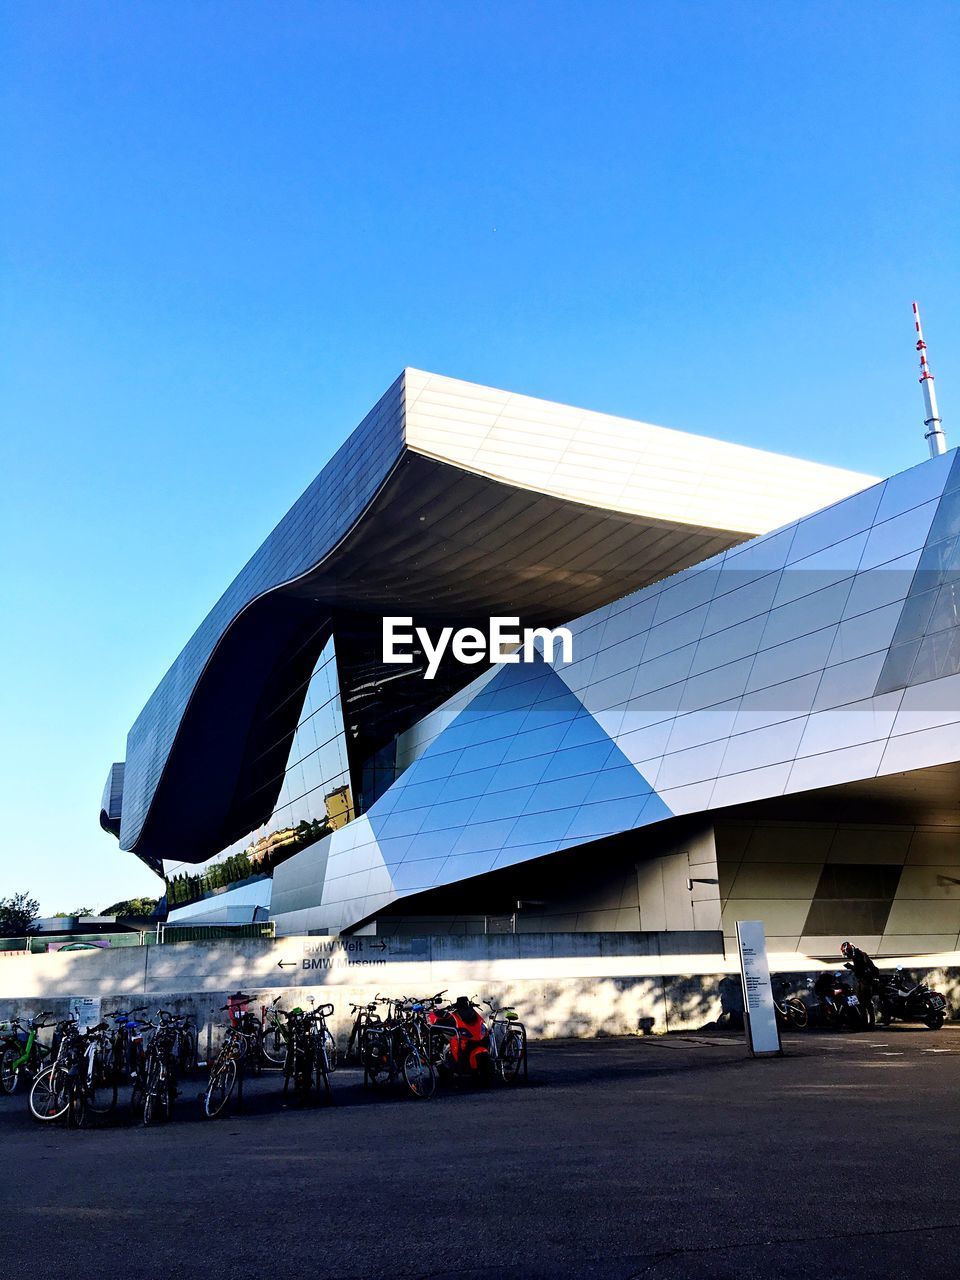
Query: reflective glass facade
[[926, 643], [314, 799]]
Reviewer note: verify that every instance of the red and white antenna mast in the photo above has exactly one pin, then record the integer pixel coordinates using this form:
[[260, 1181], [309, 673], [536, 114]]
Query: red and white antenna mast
[[934, 434]]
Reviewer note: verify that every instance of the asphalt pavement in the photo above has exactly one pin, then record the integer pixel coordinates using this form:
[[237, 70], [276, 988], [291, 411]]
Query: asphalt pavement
[[661, 1157]]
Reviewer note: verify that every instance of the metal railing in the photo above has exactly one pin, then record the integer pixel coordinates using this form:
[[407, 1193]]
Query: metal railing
[[170, 933], [42, 944]]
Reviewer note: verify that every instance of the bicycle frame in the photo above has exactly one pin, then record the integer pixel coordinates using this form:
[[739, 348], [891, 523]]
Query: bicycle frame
[[24, 1059]]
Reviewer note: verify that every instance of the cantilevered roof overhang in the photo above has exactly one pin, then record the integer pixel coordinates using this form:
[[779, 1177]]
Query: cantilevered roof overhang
[[449, 502]]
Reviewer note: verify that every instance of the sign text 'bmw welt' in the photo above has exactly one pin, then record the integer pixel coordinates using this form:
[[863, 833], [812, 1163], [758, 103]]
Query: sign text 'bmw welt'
[[759, 1014]]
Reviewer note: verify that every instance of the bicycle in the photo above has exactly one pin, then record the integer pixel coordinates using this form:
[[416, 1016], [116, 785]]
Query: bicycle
[[306, 1065], [49, 1097], [401, 1046], [241, 1042], [21, 1051], [275, 1035], [127, 1043], [364, 1015], [155, 1086], [185, 1047], [508, 1042], [790, 1009], [80, 1079]]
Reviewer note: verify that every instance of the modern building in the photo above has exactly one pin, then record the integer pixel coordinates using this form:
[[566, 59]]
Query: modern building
[[760, 717]]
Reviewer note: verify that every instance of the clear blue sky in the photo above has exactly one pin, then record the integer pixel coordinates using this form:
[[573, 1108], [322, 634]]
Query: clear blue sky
[[227, 226]]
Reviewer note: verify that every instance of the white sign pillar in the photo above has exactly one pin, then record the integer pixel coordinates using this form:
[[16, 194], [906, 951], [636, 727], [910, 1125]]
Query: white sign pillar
[[759, 1014]]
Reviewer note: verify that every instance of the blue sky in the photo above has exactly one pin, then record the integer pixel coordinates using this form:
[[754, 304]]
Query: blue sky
[[227, 226]]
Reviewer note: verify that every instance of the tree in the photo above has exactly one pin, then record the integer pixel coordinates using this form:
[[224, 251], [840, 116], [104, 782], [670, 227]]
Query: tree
[[17, 914], [78, 911], [132, 907]]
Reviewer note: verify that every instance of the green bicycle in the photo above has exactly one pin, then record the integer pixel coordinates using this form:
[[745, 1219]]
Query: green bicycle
[[276, 1034], [21, 1053]]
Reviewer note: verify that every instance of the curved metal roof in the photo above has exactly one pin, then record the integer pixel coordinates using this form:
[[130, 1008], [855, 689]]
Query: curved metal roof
[[448, 501]]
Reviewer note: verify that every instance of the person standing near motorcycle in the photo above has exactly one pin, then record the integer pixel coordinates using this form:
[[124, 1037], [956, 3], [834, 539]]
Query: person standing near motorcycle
[[867, 975]]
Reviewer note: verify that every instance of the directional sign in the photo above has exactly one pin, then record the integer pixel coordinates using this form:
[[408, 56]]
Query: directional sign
[[287, 964], [760, 1015]]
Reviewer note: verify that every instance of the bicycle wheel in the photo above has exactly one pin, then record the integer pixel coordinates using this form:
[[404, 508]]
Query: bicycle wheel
[[797, 1014], [331, 1050], [219, 1088], [510, 1059], [77, 1106], [322, 1073], [273, 1046], [188, 1053], [118, 1059], [9, 1074], [154, 1096], [101, 1097], [303, 1068], [420, 1074], [49, 1095]]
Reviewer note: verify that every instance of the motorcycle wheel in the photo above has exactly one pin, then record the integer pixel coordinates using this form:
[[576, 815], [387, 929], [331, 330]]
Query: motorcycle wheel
[[934, 1021]]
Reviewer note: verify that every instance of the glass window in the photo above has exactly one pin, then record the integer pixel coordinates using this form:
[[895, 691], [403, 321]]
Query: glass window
[[946, 523], [835, 523], [946, 611], [914, 617], [939, 656], [898, 666], [939, 563], [907, 532]]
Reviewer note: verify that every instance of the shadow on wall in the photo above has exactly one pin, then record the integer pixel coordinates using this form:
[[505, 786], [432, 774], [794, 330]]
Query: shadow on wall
[[567, 1007], [551, 1008]]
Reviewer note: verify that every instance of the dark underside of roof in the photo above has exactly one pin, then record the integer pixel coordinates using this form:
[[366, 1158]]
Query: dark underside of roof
[[439, 544]]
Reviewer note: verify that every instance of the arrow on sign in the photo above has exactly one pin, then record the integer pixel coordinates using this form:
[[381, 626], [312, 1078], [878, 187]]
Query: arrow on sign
[[378, 946], [285, 963]]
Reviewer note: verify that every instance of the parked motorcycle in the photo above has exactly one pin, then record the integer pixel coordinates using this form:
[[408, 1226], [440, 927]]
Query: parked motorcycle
[[462, 1040], [910, 1002], [840, 1006]]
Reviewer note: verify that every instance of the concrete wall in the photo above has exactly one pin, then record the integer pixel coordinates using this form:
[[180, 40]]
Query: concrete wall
[[586, 985]]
